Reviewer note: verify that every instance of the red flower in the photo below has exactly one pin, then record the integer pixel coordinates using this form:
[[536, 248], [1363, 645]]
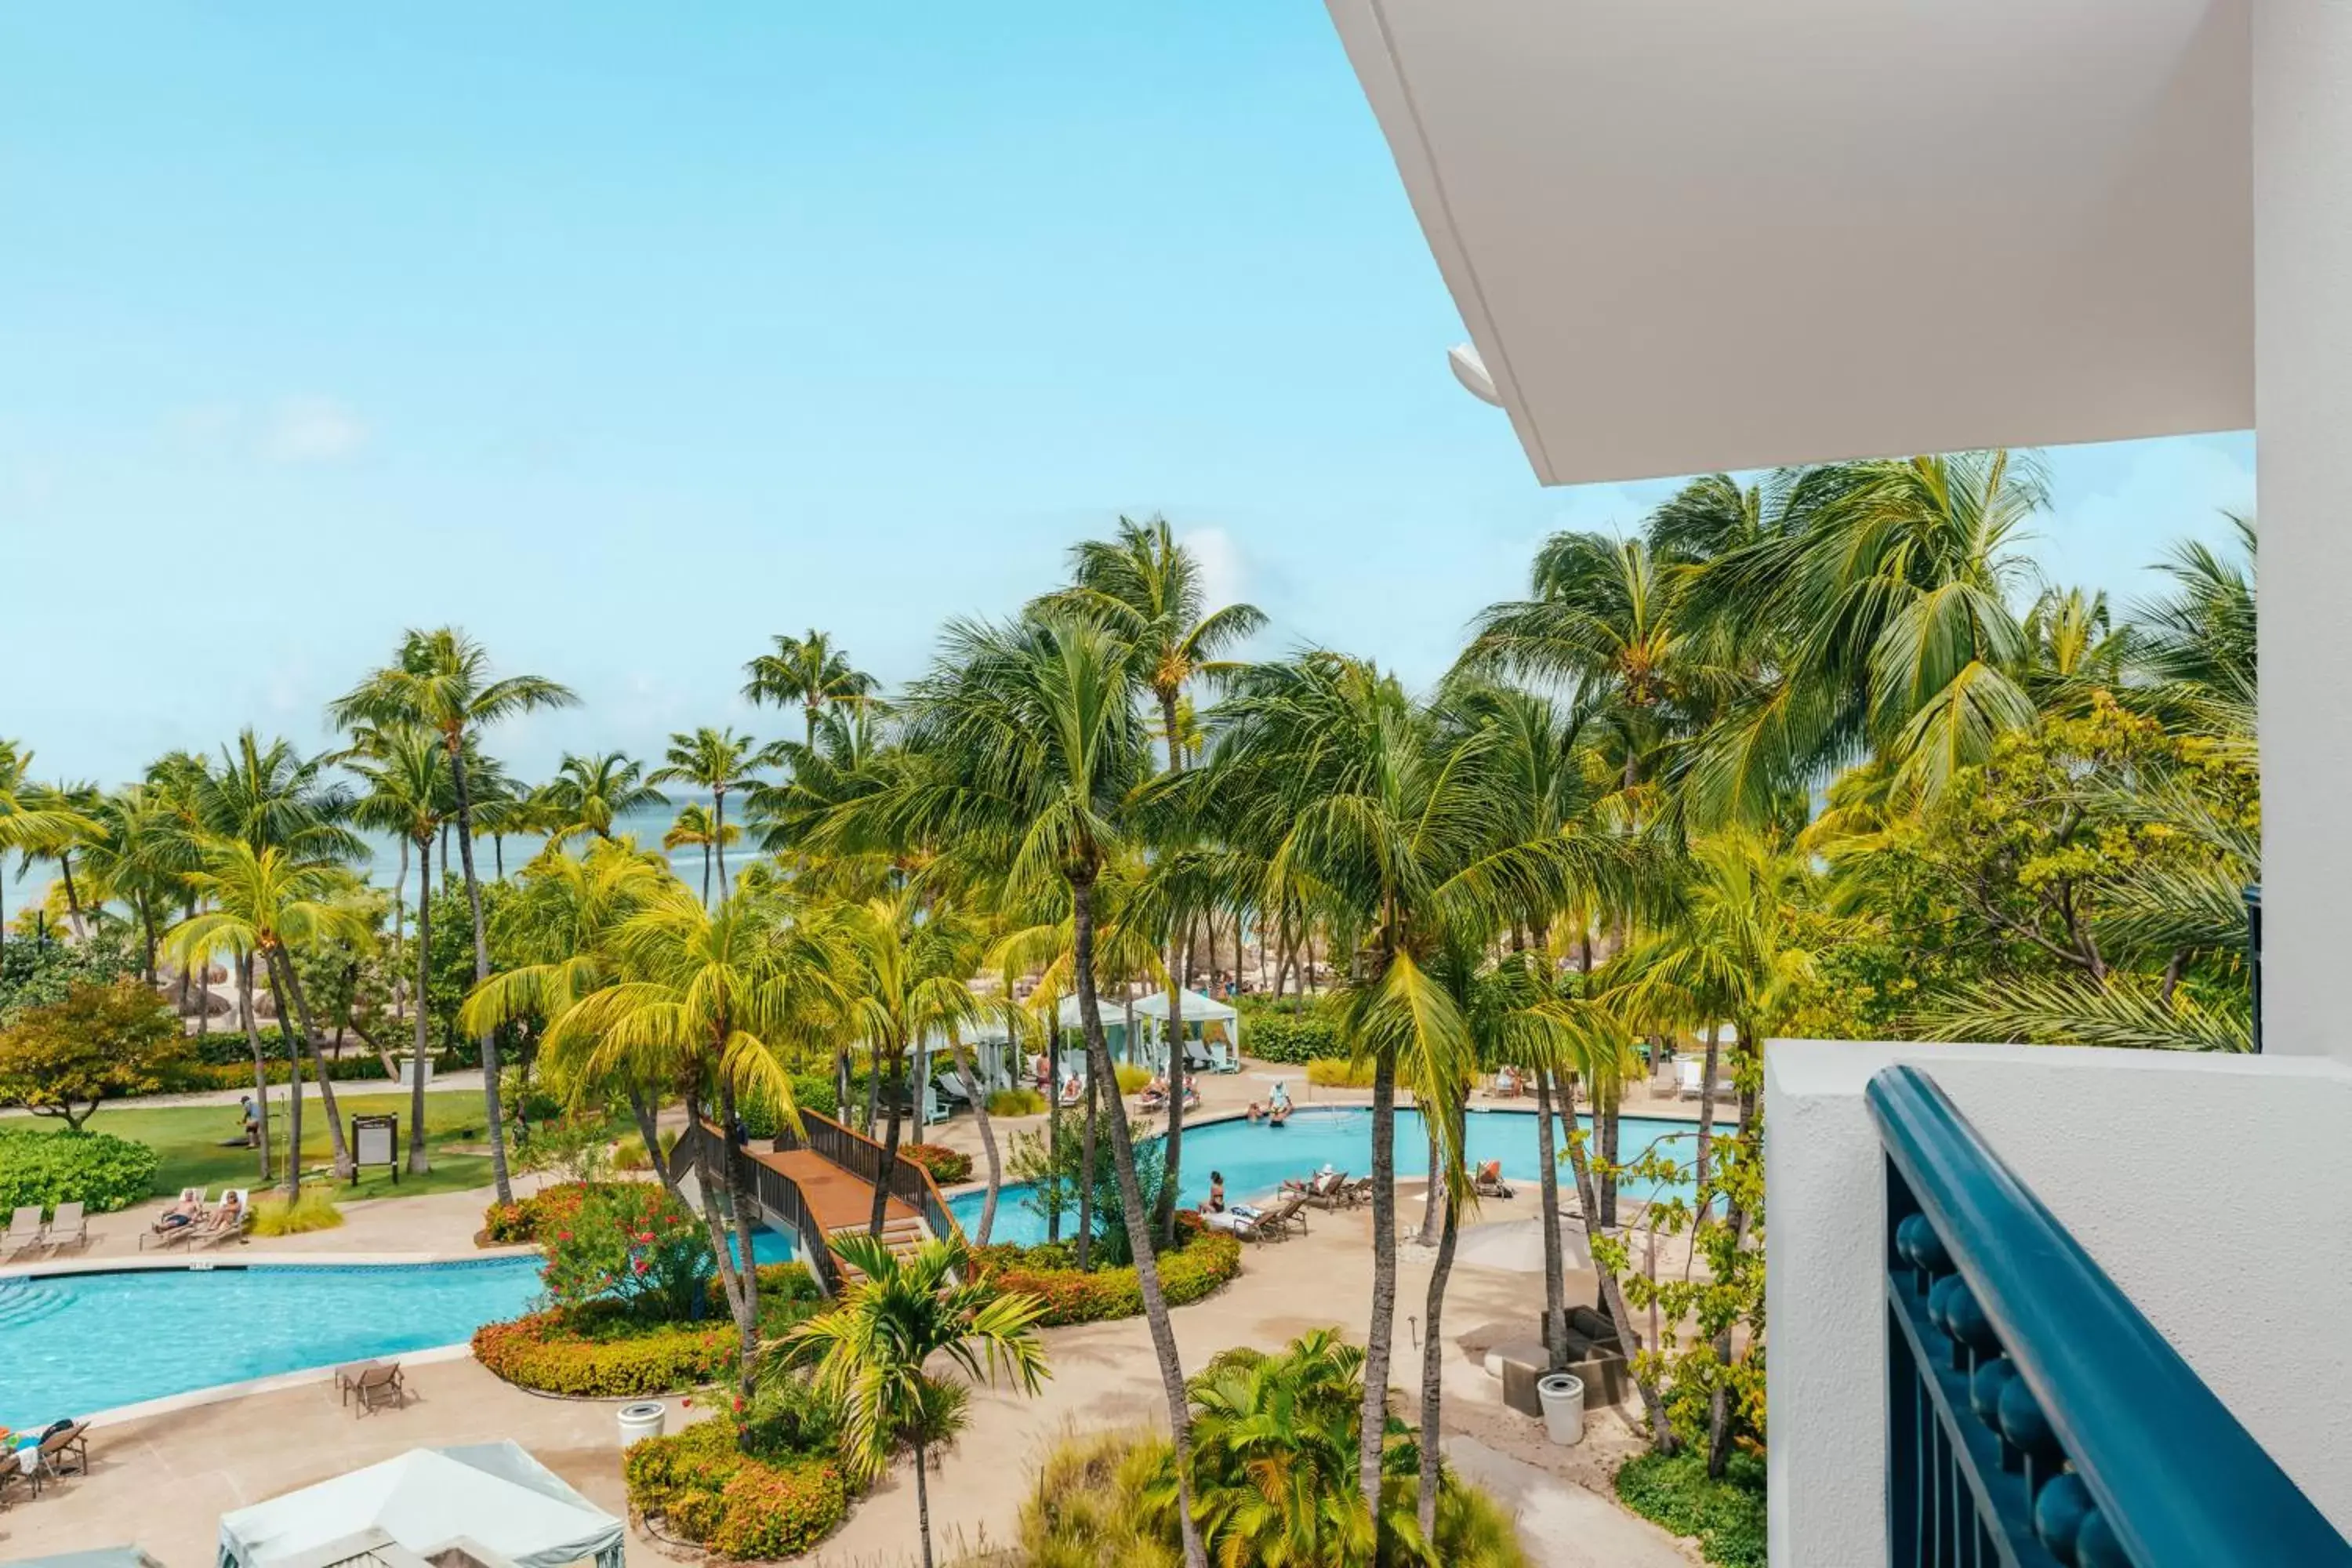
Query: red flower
[[563, 1236]]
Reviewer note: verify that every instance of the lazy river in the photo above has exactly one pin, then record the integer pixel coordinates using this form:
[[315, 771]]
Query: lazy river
[[1257, 1158]]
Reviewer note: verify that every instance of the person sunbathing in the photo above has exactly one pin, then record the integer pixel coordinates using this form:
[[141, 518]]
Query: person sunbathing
[[186, 1212]]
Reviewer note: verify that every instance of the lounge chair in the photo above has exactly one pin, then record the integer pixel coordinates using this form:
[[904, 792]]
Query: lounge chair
[[1329, 1191], [1690, 1077], [374, 1381], [24, 1231], [1489, 1182], [1074, 1093], [228, 1221], [1196, 1059], [69, 1229], [65, 1443], [1275, 1224], [162, 1235], [1356, 1192]]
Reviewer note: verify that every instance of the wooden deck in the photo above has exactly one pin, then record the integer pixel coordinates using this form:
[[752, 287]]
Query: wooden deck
[[838, 1200]]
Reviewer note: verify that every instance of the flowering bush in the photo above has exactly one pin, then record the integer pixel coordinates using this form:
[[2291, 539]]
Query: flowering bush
[[594, 1352], [1201, 1261], [632, 1244], [706, 1488], [549, 1209], [948, 1166]]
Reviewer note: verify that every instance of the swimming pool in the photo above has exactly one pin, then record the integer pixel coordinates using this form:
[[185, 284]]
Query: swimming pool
[[1257, 1158], [72, 1344]]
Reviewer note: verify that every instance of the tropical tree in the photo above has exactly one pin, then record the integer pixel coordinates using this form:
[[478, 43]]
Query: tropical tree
[[810, 671], [440, 680], [872, 1353], [408, 796], [60, 802], [589, 794], [697, 826], [139, 858], [1024, 747], [264, 900], [716, 761], [717, 1004], [30, 823]]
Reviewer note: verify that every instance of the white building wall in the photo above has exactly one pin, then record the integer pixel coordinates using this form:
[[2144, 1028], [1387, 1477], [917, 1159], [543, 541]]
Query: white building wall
[[2211, 1189], [2302, 410]]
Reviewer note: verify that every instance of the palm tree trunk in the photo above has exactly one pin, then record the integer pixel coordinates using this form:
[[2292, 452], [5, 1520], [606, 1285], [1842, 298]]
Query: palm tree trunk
[[706, 875], [1086, 1173], [419, 1162], [987, 1135], [253, 1039], [922, 1501], [289, 986], [400, 917], [719, 833], [841, 1084], [733, 1281], [147, 924], [1138, 1223], [499, 854], [1705, 1129], [747, 1262], [873, 1089], [1604, 1125], [1383, 1327], [482, 961], [293, 1106], [1555, 1255], [1179, 971], [73, 899], [890, 1144], [1432, 1212], [1053, 1128], [648, 1121], [1432, 1357], [1612, 1294]]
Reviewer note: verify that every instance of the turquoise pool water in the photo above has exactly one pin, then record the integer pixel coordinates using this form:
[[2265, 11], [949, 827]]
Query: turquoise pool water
[[72, 1344], [1257, 1158]]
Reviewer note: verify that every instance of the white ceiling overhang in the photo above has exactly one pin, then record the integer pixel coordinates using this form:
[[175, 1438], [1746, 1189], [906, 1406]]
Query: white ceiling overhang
[[1692, 234]]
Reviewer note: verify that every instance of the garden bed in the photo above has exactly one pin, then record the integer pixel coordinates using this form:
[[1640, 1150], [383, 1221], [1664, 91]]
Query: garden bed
[[1200, 1263], [703, 1487], [593, 1352]]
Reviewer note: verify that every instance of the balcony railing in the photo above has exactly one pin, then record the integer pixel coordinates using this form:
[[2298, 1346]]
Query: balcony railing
[[2034, 1416]]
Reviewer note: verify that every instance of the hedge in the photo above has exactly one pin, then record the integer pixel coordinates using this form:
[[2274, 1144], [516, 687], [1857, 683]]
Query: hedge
[[948, 1166], [1726, 1515], [99, 1171], [1293, 1037], [579, 1353], [708, 1490], [1203, 1260]]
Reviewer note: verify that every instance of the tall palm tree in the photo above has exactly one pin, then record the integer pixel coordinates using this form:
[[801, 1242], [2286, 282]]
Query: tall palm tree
[[1148, 590], [267, 903], [409, 796], [1385, 817], [871, 1354], [2193, 646], [1026, 745], [59, 801], [139, 858], [593, 793], [441, 681], [713, 760], [718, 1004], [810, 671], [30, 824]]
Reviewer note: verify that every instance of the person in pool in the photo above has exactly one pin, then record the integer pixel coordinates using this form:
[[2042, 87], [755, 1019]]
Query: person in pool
[[1216, 1192], [1280, 1112]]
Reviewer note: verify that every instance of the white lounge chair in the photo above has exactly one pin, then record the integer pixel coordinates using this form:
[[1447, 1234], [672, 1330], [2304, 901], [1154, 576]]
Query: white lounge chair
[[162, 1235], [24, 1231], [228, 1222], [69, 1229]]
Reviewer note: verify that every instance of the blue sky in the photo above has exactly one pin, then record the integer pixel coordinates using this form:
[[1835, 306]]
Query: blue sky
[[625, 337]]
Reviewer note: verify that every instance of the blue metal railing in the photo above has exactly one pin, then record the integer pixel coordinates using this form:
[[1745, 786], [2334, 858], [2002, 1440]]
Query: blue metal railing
[[2034, 1417]]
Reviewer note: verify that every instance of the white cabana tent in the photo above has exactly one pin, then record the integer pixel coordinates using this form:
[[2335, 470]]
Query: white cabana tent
[[1213, 1023], [493, 1493]]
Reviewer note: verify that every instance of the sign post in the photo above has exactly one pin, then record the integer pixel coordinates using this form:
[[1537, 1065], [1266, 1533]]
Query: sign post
[[376, 1141]]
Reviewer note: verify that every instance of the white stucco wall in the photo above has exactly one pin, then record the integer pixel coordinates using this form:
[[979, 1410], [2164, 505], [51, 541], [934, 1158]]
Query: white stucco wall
[[2212, 1189], [2302, 410]]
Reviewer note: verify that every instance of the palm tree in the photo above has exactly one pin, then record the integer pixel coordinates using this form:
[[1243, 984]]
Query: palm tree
[[2194, 645], [711, 1002], [1385, 818], [871, 1354], [59, 801], [808, 670], [139, 857], [592, 793], [1147, 591], [695, 825], [409, 796], [1024, 747], [268, 901], [441, 681], [29, 823], [716, 761]]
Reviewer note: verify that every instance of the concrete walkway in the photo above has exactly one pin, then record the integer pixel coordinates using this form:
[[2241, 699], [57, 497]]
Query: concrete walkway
[[1561, 1524]]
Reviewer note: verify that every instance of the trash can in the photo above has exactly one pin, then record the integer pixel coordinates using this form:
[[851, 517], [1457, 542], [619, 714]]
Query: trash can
[[645, 1419], [1563, 1396]]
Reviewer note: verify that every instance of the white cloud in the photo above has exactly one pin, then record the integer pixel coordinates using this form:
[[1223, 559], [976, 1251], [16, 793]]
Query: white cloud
[[312, 430], [1223, 573]]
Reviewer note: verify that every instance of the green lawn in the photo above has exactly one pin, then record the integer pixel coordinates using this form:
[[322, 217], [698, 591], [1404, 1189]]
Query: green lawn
[[190, 1140]]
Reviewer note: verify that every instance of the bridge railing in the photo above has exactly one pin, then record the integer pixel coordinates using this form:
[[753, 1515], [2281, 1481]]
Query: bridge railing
[[863, 1158], [2035, 1416], [702, 1147]]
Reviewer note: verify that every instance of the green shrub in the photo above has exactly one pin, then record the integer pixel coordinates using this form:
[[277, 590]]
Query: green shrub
[[634, 1244], [1293, 1037], [948, 1166], [1131, 1078], [597, 1351], [812, 1092], [314, 1210], [629, 1153], [708, 1490], [1675, 1491], [1017, 1102], [99, 1171], [547, 1210], [1202, 1260], [1340, 1074]]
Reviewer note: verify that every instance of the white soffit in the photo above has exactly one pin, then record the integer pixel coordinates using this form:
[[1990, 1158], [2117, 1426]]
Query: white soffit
[[1692, 234]]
